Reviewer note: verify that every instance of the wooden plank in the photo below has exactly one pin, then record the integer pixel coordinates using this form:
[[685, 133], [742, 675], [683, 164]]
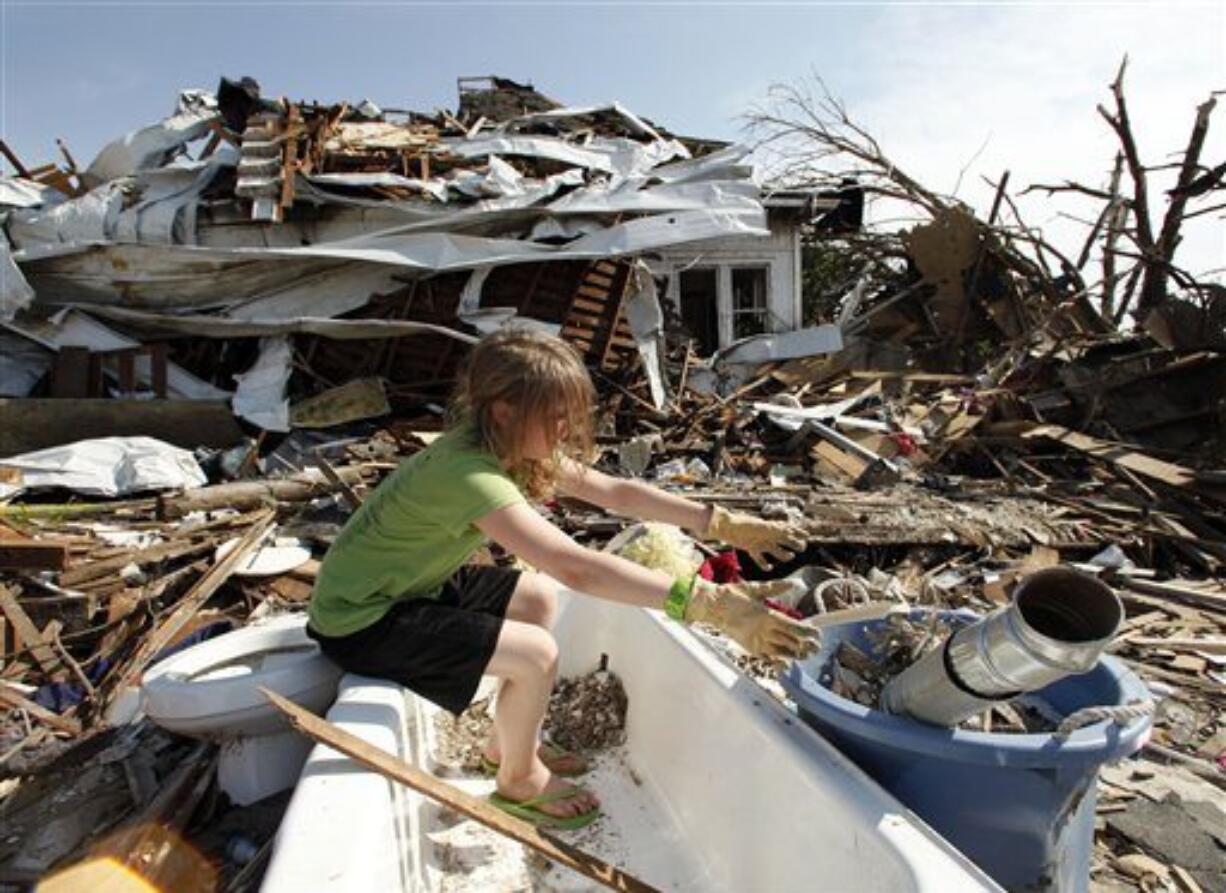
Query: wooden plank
[[350, 495], [193, 601], [588, 306], [30, 636], [475, 808], [1214, 645], [32, 555], [596, 294], [1116, 454], [587, 320], [12, 698], [1186, 594]]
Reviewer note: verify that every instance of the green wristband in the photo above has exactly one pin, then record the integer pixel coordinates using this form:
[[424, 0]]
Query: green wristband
[[679, 598]]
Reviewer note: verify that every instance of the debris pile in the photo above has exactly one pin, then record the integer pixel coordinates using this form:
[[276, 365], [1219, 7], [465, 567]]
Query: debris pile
[[462, 739], [587, 713], [284, 292]]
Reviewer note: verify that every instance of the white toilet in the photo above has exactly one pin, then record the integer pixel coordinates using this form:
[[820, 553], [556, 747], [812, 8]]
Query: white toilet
[[211, 691]]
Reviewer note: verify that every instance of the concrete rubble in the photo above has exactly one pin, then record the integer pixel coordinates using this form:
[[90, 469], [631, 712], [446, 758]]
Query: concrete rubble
[[276, 296]]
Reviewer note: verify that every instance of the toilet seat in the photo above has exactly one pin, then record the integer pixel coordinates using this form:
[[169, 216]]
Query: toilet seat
[[211, 690]]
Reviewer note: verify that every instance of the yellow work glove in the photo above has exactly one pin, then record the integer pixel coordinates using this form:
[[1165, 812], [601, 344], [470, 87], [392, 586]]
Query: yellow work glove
[[760, 538], [736, 610]]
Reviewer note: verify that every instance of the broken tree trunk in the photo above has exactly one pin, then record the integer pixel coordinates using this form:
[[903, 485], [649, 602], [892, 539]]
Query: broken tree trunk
[[244, 495]]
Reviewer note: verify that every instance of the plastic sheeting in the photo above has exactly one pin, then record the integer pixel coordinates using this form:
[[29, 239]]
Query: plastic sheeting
[[260, 398], [108, 466]]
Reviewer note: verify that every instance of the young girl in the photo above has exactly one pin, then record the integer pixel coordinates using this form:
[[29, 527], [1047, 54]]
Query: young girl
[[394, 599]]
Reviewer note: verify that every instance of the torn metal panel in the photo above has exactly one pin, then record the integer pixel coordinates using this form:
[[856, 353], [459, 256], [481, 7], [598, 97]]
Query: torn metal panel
[[17, 192], [221, 327], [163, 276], [15, 291], [182, 276], [80, 222], [702, 195], [260, 397], [327, 293], [636, 124], [646, 320], [758, 349], [153, 145], [22, 364], [166, 211]]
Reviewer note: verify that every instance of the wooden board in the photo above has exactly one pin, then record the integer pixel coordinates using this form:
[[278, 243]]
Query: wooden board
[[1167, 472], [475, 808]]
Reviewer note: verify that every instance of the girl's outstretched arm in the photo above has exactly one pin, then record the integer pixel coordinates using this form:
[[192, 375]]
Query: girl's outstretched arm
[[737, 610], [764, 541], [523, 531], [632, 499]]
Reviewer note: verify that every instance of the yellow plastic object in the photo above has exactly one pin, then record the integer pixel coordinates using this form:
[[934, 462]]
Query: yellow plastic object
[[663, 547]]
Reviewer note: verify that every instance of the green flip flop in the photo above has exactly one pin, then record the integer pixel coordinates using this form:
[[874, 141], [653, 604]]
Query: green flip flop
[[530, 811], [551, 752]]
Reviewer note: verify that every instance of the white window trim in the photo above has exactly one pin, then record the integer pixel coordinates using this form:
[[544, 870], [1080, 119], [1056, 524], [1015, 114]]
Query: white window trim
[[723, 290]]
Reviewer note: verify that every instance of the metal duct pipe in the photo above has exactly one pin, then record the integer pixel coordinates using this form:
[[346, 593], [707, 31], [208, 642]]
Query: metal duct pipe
[[1058, 623]]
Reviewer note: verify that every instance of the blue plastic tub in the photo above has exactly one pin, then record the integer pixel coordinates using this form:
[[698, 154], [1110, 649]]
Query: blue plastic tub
[[1021, 806]]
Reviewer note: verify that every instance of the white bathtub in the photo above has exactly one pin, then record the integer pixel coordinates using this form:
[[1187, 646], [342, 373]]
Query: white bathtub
[[718, 788]]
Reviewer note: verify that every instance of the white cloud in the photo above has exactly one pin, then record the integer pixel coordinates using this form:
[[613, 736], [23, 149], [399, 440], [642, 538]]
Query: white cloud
[[938, 81]]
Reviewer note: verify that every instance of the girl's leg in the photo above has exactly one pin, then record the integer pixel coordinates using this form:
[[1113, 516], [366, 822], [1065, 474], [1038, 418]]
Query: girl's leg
[[534, 601], [526, 659]]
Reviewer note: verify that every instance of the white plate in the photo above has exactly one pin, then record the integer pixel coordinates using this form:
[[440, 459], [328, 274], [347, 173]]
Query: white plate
[[280, 558]]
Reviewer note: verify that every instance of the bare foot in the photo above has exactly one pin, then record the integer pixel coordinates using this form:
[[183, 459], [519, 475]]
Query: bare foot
[[542, 781], [555, 759]]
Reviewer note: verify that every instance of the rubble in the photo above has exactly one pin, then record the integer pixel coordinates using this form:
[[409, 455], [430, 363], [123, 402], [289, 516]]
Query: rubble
[[585, 714], [961, 410]]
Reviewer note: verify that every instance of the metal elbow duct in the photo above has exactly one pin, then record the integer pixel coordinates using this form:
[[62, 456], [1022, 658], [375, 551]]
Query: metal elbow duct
[[1058, 623]]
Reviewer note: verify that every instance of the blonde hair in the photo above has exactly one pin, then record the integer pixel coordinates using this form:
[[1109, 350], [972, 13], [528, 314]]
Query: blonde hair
[[542, 379]]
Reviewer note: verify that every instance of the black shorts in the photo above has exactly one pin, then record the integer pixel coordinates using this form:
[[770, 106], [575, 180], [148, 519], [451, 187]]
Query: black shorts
[[435, 647]]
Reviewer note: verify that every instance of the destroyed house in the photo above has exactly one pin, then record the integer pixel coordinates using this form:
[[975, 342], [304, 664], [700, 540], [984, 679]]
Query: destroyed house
[[331, 232]]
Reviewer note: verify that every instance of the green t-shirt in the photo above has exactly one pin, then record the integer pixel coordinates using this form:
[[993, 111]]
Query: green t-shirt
[[412, 533]]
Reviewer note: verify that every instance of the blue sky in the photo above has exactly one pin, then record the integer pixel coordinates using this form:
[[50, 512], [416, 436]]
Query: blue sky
[[1007, 85]]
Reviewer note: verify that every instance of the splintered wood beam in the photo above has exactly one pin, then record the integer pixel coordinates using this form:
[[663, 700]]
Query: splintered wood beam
[[28, 633], [475, 808], [32, 555], [1116, 454], [193, 601], [12, 698]]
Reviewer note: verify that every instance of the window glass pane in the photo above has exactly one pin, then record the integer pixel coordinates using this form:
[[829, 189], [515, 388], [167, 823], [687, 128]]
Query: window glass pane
[[749, 288], [748, 301]]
